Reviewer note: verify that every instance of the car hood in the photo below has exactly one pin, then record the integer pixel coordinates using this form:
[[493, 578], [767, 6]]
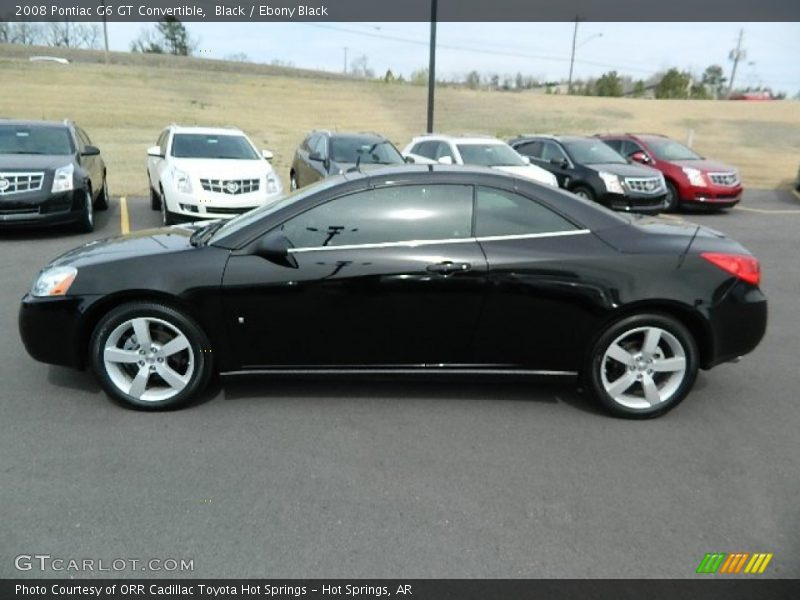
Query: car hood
[[531, 172], [625, 170], [214, 168], [140, 243], [26, 162], [345, 166], [709, 166]]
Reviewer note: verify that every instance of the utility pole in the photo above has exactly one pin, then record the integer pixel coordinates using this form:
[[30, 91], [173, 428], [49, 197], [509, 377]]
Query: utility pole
[[736, 56], [572, 57], [345, 59], [105, 31], [432, 67]]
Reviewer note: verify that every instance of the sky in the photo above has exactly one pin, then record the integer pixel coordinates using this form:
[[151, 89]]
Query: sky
[[541, 50]]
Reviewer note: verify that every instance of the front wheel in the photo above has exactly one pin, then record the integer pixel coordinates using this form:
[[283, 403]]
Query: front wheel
[[103, 200], [86, 222], [167, 217], [642, 366], [293, 182], [673, 201], [584, 192], [150, 357]]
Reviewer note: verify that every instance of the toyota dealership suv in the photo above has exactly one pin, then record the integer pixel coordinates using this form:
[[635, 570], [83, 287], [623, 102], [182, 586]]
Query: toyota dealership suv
[[208, 173], [589, 168], [692, 180]]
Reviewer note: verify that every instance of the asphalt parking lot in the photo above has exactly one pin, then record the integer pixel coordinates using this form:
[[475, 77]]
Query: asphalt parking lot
[[353, 477]]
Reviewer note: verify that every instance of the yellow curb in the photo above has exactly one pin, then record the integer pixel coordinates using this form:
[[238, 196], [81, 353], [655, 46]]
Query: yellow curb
[[124, 220]]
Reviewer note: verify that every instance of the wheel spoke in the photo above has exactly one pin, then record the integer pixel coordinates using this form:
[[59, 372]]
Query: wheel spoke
[[141, 327], [651, 338], [619, 354], [651, 393], [174, 346], [622, 384], [118, 355], [664, 365], [173, 379], [139, 383]]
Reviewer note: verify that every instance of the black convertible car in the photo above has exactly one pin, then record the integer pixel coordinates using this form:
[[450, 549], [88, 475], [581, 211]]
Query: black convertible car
[[416, 269]]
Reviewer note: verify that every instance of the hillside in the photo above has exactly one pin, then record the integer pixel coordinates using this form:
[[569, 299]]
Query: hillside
[[124, 105]]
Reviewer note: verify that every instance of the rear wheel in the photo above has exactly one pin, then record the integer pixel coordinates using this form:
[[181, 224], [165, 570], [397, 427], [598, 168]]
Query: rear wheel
[[150, 356], [642, 366], [673, 201]]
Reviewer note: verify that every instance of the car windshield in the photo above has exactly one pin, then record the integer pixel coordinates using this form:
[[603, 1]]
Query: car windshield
[[35, 139], [490, 155], [590, 152], [243, 220], [203, 145], [371, 151], [665, 149]]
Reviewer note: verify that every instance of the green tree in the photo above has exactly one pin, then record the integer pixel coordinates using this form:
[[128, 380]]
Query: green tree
[[609, 84], [473, 80], [638, 89], [715, 80], [674, 84], [169, 37], [419, 77]]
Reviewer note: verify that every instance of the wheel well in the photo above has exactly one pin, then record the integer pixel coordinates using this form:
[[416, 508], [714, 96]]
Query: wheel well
[[697, 326], [106, 305]]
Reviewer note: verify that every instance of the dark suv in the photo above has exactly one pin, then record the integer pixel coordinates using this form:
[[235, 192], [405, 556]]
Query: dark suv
[[50, 173], [591, 169], [326, 153]]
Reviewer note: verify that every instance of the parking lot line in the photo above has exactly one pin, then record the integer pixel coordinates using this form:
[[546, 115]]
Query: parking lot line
[[124, 220], [767, 211]]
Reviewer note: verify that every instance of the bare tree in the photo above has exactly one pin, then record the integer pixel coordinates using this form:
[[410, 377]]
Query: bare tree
[[25, 33], [72, 35], [359, 67]]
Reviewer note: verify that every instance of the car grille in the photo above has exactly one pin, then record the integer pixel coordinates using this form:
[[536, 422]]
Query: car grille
[[729, 179], [645, 185], [19, 211], [230, 186], [13, 183], [213, 210]]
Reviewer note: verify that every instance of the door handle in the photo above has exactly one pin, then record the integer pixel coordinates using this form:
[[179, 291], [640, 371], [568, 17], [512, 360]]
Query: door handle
[[448, 268]]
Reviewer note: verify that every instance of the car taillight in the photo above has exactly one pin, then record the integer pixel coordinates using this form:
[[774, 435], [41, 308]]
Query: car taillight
[[744, 267]]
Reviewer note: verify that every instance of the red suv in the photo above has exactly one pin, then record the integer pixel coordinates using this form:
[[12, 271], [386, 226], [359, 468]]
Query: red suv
[[692, 180]]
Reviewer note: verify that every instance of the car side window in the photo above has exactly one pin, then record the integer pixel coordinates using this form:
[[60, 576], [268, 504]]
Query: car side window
[[531, 149], [443, 150], [319, 146], [162, 142], [385, 215], [552, 151], [616, 145], [426, 149], [500, 213], [84, 137]]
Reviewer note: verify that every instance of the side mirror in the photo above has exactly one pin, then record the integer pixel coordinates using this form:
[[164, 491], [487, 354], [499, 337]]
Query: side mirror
[[267, 154], [155, 152], [639, 157], [559, 162], [90, 151], [275, 247], [409, 159], [445, 160]]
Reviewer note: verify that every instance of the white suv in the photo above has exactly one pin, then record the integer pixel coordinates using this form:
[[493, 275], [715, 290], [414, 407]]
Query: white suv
[[477, 151], [208, 173]]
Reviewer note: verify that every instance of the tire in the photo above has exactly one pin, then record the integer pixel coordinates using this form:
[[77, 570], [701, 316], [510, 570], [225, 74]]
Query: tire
[[635, 381], [155, 200], [167, 218], [673, 201], [150, 378], [86, 222], [103, 200], [293, 181], [584, 192]]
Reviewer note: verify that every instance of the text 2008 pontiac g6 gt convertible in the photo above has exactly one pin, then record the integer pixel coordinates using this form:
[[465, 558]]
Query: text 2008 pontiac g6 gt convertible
[[410, 269]]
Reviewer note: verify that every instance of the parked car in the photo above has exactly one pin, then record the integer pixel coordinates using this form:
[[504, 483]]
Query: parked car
[[50, 173], [480, 151], [324, 153], [208, 173], [590, 169], [419, 269], [691, 179]]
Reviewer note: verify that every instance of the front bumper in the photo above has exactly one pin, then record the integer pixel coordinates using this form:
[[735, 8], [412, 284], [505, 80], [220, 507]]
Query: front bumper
[[51, 329], [713, 196], [211, 205], [639, 203], [41, 208]]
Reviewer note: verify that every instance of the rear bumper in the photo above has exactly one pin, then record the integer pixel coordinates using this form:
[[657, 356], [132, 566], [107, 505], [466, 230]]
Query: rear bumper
[[41, 208], [738, 323]]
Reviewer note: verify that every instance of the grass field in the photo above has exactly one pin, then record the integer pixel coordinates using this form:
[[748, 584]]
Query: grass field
[[124, 106]]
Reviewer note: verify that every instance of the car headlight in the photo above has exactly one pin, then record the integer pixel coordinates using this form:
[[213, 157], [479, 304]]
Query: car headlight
[[695, 176], [182, 181], [612, 182], [54, 281], [64, 180], [273, 183]]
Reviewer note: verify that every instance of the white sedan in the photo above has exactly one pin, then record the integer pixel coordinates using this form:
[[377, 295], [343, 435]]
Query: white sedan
[[478, 151], [208, 173]]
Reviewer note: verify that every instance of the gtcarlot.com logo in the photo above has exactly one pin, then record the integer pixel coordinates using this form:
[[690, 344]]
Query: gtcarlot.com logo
[[734, 563], [46, 562]]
